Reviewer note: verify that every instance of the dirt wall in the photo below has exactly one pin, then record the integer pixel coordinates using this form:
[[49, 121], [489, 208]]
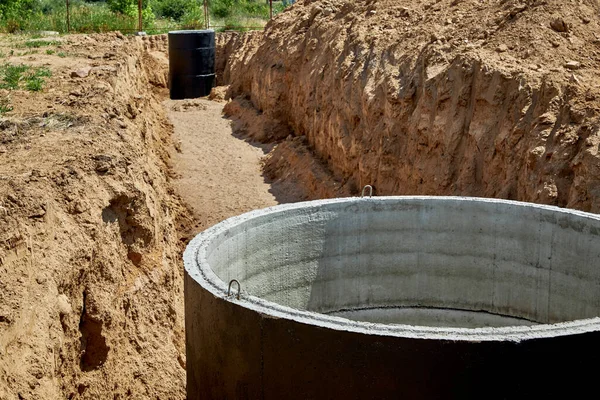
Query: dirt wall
[[231, 48], [494, 99], [91, 296]]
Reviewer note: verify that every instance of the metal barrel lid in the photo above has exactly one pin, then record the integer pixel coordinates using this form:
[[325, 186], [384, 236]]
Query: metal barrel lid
[[191, 39]]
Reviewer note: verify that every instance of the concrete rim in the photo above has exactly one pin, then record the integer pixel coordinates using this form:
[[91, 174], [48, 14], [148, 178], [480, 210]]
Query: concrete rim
[[199, 270]]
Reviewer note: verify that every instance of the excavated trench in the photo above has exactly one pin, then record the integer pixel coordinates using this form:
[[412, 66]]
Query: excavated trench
[[441, 98], [394, 96], [337, 109], [414, 296]]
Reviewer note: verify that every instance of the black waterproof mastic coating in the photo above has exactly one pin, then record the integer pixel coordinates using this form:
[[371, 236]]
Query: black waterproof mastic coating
[[191, 63]]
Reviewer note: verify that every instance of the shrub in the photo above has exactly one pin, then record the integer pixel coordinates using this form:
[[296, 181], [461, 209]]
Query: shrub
[[120, 6], [14, 13], [51, 6], [256, 8], [249, 8], [222, 8], [174, 9], [122, 15], [130, 9], [90, 17], [193, 18]]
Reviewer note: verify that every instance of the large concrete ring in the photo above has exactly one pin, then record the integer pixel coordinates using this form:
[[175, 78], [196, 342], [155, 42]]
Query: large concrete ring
[[394, 297]]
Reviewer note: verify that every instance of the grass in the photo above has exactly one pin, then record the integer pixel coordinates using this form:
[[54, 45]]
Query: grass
[[40, 43], [95, 16], [35, 84], [29, 52], [62, 54], [13, 77], [85, 17], [50, 52]]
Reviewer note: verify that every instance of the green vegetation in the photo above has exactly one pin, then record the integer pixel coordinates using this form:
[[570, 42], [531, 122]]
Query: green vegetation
[[22, 76], [241, 14], [185, 13], [35, 84], [122, 15], [13, 77], [40, 43], [10, 75]]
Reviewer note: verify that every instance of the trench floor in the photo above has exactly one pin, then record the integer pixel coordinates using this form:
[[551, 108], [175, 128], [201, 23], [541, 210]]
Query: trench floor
[[217, 173]]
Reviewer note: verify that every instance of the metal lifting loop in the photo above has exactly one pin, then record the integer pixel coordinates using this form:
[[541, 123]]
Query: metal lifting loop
[[370, 191], [239, 288]]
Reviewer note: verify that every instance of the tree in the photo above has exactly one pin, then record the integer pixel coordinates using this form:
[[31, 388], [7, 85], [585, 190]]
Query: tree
[[14, 12], [121, 6]]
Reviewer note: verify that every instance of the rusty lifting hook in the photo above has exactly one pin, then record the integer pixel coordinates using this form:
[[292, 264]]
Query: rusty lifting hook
[[239, 288]]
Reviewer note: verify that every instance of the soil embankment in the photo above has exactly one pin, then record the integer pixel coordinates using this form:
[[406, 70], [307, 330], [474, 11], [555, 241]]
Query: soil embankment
[[91, 292], [494, 99], [93, 178]]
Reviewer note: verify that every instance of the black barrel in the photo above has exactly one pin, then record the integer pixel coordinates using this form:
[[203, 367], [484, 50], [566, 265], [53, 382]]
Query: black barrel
[[191, 63]]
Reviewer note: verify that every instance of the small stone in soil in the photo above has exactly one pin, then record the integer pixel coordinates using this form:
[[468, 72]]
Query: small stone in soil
[[81, 73], [559, 25], [573, 65]]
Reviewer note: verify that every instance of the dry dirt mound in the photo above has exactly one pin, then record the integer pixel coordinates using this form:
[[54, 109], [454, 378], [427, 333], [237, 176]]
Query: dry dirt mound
[[495, 98], [91, 296]]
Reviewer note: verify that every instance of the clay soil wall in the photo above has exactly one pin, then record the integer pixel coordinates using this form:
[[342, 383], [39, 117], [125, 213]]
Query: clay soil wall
[[493, 99]]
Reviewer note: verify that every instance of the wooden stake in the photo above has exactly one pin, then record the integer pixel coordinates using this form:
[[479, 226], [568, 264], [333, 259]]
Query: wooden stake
[[140, 27], [68, 18]]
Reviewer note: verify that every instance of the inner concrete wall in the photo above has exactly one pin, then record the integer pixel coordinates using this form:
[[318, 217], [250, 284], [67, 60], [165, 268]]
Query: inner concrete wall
[[419, 262], [440, 317]]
